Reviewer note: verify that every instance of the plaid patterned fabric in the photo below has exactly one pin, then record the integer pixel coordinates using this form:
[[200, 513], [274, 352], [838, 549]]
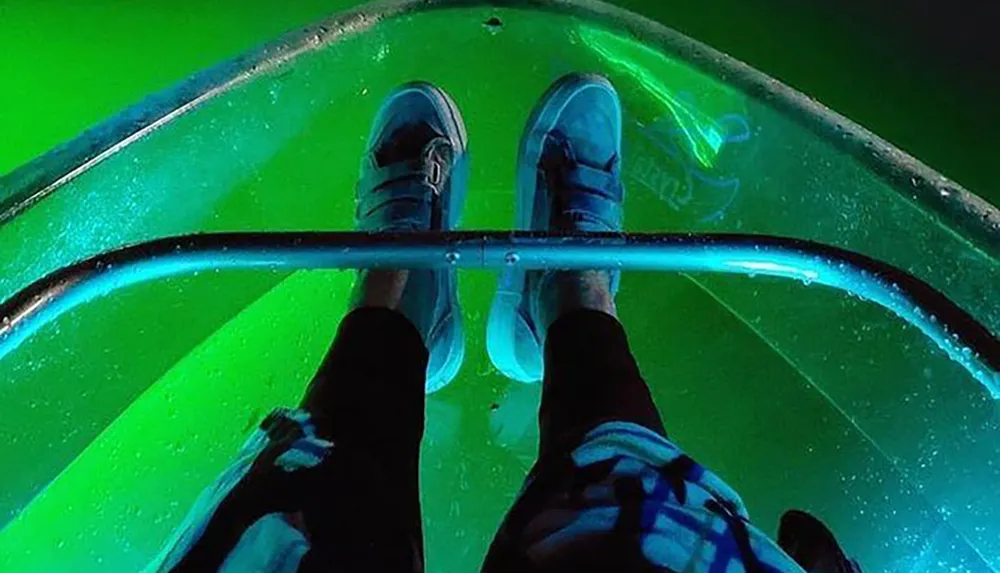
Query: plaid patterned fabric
[[271, 544], [630, 500]]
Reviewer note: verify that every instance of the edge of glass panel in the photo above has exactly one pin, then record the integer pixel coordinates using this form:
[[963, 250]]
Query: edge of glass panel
[[969, 215]]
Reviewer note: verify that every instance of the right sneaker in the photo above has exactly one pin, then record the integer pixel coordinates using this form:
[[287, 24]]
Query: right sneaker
[[568, 179], [812, 545]]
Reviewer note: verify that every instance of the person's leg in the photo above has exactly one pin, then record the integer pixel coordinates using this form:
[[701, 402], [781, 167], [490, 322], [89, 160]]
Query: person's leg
[[358, 366], [562, 327], [368, 399], [402, 338], [591, 376], [569, 180], [358, 504], [333, 485], [610, 492]]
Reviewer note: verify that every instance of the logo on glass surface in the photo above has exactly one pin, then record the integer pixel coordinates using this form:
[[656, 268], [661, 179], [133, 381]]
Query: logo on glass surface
[[687, 164]]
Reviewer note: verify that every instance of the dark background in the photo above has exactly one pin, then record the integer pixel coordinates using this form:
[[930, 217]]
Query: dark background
[[920, 73]]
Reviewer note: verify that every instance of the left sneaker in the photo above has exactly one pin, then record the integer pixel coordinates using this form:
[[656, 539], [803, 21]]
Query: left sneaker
[[414, 178]]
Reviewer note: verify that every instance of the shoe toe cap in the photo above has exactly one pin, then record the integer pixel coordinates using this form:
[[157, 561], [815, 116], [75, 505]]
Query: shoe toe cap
[[592, 121], [413, 104]]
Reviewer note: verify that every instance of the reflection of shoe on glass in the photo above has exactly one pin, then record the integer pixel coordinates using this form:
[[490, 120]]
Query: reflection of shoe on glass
[[568, 179], [414, 179], [812, 545]]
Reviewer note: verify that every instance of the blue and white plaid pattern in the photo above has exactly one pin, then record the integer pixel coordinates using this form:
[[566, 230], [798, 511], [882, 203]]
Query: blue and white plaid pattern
[[632, 497], [271, 544], [674, 514]]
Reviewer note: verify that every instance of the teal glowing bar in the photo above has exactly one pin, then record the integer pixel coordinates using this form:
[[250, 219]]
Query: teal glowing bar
[[965, 340]]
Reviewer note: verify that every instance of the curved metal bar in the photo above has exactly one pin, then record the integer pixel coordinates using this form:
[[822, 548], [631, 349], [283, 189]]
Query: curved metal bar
[[955, 331], [958, 207]]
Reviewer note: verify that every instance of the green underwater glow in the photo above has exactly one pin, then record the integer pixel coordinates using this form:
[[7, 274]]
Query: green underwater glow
[[704, 138]]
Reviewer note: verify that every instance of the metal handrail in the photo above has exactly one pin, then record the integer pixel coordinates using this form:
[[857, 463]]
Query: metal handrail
[[965, 340]]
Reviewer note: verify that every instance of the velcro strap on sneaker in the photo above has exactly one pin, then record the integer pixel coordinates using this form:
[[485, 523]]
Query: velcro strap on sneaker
[[595, 201], [601, 213], [587, 178], [412, 180]]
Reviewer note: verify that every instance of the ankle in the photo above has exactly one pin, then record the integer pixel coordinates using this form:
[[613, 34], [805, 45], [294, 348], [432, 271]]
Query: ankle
[[564, 292], [379, 289]]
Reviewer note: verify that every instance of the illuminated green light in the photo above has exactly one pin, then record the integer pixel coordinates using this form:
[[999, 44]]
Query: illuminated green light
[[177, 436], [703, 137]]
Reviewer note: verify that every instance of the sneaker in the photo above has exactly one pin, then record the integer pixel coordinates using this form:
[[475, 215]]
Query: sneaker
[[414, 178], [812, 545], [568, 179]]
